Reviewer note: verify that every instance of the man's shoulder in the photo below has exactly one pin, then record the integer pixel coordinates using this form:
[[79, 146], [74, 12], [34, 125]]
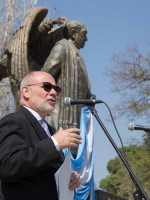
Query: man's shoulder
[[22, 117], [60, 47], [15, 115], [62, 43], [10, 119], [10, 115]]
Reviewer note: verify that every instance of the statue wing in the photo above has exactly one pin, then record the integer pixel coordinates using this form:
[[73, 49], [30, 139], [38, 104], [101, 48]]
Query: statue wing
[[17, 49], [30, 46], [42, 48]]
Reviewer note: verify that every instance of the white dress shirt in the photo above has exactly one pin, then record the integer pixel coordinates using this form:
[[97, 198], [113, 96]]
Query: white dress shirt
[[38, 117]]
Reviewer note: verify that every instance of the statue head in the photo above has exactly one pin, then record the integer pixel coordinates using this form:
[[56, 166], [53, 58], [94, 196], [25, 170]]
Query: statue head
[[77, 33]]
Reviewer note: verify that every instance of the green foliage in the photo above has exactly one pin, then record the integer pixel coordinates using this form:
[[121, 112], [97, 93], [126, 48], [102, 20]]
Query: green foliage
[[146, 141], [119, 181]]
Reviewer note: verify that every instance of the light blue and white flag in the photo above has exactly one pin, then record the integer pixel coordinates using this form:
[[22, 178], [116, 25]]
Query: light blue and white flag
[[84, 163]]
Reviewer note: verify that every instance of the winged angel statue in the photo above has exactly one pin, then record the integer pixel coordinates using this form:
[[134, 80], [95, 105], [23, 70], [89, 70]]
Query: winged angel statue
[[30, 46]]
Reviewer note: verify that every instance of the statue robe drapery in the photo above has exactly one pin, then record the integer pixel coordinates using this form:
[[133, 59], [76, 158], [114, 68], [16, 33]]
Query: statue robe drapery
[[66, 65]]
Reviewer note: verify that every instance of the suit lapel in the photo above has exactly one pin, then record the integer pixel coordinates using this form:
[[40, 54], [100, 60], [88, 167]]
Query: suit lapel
[[34, 123], [38, 128]]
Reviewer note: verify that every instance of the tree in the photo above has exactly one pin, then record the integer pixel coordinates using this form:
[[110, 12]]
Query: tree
[[130, 77], [6, 98], [146, 140], [119, 181], [11, 14]]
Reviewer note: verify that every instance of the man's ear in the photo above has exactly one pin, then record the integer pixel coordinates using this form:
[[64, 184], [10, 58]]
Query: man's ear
[[26, 91], [73, 33]]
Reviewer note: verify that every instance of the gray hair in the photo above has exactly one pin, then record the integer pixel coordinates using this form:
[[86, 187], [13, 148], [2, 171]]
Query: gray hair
[[28, 79]]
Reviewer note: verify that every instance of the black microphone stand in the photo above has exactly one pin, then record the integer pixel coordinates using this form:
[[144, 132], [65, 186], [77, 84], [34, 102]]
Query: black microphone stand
[[139, 194]]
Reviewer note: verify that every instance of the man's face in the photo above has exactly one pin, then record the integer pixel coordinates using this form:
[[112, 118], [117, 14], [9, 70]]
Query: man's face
[[80, 37], [41, 100]]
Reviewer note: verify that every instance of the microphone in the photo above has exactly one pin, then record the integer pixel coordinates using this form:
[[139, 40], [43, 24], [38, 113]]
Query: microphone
[[132, 127], [89, 102]]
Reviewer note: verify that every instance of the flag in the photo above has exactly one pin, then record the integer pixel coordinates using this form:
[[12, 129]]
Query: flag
[[84, 163]]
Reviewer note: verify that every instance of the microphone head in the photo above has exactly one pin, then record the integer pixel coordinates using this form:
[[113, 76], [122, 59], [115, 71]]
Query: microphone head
[[131, 126], [67, 101]]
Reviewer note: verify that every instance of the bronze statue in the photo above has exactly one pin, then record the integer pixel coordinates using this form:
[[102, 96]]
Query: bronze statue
[[37, 45], [66, 65], [30, 46]]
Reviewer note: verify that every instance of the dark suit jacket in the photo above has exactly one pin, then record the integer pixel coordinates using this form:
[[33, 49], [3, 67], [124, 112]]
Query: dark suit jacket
[[28, 158]]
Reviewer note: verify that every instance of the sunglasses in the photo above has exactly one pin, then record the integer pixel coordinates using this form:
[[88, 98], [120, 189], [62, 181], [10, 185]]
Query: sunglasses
[[48, 87]]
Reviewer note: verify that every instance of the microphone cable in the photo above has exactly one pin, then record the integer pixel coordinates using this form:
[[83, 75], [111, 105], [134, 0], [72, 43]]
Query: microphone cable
[[124, 153]]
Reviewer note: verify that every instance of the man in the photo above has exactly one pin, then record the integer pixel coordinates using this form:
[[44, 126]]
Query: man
[[66, 65], [29, 157]]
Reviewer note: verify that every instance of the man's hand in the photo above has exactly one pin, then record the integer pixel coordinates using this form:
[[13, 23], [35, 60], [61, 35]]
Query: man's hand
[[75, 181], [68, 138], [61, 20]]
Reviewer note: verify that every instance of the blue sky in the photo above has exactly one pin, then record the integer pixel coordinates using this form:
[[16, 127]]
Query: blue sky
[[111, 25]]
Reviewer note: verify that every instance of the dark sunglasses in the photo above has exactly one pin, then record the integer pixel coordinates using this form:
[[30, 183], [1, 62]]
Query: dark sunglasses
[[48, 86]]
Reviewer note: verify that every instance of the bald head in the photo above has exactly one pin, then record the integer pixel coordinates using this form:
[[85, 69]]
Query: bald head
[[75, 25], [33, 76], [77, 33]]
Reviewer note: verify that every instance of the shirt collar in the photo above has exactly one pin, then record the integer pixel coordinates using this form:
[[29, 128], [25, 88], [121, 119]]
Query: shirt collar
[[34, 113]]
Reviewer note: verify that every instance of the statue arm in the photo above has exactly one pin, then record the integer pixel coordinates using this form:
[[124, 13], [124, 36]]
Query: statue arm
[[46, 26]]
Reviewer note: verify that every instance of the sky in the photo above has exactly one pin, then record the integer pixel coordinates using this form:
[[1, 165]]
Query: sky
[[112, 25]]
